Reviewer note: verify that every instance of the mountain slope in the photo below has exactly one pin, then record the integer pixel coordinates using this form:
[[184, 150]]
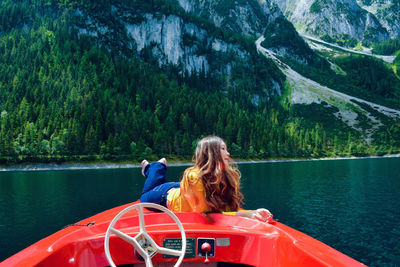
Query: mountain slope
[[253, 18], [246, 17], [301, 90], [387, 12], [343, 19], [166, 34]]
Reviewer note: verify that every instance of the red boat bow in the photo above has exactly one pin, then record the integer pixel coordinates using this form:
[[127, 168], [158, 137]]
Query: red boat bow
[[230, 239]]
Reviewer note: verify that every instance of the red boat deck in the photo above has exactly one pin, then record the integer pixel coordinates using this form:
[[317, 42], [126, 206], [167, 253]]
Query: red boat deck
[[234, 240]]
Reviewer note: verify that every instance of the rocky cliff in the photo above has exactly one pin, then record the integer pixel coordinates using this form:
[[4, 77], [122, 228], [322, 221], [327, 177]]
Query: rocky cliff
[[167, 38], [387, 12], [366, 21], [244, 17]]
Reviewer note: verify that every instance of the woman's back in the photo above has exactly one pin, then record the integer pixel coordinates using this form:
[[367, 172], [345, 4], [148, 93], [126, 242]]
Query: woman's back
[[190, 196]]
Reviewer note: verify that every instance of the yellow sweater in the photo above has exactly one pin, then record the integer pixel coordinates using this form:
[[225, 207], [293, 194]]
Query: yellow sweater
[[191, 196]]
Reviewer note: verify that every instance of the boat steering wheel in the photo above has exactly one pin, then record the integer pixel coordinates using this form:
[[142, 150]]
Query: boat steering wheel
[[142, 242]]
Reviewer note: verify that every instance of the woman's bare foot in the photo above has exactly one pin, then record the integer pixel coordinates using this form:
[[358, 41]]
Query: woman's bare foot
[[144, 164], [163, 160]]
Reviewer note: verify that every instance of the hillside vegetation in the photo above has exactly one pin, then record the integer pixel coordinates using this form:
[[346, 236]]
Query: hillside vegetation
[[65, 96]]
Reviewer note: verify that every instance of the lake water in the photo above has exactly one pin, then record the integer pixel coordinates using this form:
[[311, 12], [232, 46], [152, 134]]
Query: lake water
[[351, 205]]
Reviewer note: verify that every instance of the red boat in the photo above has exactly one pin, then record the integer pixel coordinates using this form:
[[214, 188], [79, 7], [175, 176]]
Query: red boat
[[136, 234]]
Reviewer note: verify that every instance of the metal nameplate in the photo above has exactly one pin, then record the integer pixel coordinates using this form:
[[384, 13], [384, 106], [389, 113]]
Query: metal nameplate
[[223, 242]]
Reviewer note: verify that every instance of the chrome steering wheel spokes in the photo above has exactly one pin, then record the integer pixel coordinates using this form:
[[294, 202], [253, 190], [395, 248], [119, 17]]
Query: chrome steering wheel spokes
[[142, 242]]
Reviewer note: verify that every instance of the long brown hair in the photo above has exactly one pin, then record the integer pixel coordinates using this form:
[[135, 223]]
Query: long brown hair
[[221, 182]]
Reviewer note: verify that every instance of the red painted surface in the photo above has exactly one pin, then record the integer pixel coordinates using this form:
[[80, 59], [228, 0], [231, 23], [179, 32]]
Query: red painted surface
[[250, 242]]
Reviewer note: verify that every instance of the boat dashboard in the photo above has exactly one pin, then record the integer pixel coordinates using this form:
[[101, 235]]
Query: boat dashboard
[[225, 241]]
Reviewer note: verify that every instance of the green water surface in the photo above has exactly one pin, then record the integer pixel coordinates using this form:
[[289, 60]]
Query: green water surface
[[351, 205]]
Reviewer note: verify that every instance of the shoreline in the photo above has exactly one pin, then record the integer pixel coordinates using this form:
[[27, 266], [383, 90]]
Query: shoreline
[[94, 165]]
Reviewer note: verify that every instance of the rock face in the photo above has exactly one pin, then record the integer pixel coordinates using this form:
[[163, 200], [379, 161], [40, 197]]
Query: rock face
[[168, 39], [387, 12], [245, 17], [164, 36], [367, 21]]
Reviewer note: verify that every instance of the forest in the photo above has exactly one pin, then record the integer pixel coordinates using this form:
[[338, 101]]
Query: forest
[[388, 47], [64, 97]]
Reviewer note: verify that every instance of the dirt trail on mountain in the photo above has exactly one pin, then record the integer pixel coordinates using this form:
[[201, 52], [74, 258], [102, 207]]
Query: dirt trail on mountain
[[307, 91], [388, 59]]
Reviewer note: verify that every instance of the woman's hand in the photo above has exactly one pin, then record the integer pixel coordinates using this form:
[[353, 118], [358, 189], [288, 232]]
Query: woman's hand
[[263, 215]]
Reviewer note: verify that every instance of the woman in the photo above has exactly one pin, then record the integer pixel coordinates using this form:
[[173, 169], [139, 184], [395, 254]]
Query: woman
[[211, 185]]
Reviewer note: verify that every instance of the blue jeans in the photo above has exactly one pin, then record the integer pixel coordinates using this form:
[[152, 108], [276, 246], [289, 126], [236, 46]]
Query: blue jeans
[[156, 187]]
